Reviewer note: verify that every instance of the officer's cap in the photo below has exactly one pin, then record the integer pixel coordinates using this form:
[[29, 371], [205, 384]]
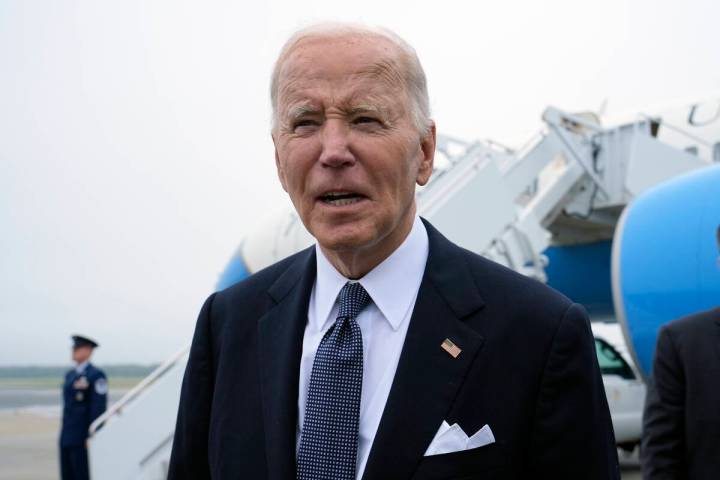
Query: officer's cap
[[80, 341]]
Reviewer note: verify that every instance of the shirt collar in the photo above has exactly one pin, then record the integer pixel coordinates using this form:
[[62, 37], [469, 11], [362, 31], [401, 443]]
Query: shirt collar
[[405, 266], [81, 368]]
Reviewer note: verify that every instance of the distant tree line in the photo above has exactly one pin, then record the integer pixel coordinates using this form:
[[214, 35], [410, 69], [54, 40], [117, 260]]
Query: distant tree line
[[128, 370]]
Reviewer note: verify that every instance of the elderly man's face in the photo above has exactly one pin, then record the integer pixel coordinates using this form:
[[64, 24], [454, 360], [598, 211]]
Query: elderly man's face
[[346, 148]]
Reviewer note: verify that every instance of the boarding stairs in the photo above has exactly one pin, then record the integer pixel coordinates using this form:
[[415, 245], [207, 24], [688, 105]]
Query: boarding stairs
[[568, 185]]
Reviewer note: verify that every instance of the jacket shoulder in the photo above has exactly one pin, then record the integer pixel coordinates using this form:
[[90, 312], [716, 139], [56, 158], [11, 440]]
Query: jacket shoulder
[[692, 326], [94, 372], [498, 283], [513, 300], [261, 280], [254, 295]]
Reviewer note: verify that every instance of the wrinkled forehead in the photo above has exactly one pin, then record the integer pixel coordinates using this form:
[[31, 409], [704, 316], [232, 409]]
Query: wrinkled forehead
[[372, 62]]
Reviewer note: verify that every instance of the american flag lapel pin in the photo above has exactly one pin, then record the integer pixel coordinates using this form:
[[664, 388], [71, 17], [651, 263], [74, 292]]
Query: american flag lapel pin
[[451, 348]]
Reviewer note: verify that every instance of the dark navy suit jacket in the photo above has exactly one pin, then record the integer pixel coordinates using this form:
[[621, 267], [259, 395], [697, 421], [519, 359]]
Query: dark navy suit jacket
[[527, 368], [681, 424], [84, 400]]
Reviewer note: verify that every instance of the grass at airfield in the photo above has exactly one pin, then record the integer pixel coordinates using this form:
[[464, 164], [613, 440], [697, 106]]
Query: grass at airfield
[[120, 377], [48, 383]]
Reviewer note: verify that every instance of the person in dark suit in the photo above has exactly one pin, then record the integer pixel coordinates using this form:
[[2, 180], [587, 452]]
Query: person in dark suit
[[681, 422], [84, 399], [384, 351]]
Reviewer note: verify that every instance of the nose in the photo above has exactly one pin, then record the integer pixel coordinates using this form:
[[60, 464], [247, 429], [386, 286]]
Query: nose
[[336, 145]]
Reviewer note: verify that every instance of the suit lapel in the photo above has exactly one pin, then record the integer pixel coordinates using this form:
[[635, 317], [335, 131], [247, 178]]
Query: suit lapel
[[428, 378], [280, 345]]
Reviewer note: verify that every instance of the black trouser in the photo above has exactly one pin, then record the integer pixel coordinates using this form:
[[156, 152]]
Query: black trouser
[[74, 463]]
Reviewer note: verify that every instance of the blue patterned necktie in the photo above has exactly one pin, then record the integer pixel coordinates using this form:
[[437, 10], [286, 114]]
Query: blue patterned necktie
[[329, 440]]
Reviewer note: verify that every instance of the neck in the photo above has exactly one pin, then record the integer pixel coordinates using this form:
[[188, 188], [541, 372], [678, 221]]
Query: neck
[[355, 264]]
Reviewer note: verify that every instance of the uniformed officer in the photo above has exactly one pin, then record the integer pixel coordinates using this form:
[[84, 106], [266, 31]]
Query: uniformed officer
[[85, 399]]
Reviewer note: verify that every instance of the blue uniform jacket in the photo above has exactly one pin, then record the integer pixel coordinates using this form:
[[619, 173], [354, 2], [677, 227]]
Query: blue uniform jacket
[[84, 400]]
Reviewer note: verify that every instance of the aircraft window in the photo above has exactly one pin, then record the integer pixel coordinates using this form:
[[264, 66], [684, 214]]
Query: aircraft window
[[611, 363]]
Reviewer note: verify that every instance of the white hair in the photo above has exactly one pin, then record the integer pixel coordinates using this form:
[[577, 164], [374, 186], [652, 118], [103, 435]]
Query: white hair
[[409, 67]]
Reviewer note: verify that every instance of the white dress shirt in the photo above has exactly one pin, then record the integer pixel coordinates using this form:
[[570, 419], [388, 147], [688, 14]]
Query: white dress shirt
[[393, 287]]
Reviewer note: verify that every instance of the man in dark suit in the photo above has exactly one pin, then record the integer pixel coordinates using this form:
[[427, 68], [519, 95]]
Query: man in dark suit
[[385, 351], [84, 399], [681, 422]]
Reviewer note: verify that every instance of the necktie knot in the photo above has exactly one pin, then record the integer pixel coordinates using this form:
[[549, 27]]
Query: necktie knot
[[353, 298]]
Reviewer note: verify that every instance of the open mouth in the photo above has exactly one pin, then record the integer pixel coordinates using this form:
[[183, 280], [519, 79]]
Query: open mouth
[[341, 199]]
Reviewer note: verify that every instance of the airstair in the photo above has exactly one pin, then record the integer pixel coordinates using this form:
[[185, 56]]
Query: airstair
[[133, 438], [568, 185]]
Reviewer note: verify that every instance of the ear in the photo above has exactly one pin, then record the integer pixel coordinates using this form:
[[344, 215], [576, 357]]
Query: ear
[[278, 164], [427, 147]]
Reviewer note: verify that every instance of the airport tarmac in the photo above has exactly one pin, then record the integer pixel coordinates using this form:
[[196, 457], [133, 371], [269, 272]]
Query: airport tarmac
[[28, 447]]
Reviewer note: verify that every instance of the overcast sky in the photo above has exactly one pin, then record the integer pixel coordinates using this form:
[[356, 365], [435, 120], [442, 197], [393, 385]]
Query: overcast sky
[[134, 144]]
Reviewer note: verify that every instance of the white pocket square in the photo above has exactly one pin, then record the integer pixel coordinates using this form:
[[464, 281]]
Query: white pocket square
[[452, 438]]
